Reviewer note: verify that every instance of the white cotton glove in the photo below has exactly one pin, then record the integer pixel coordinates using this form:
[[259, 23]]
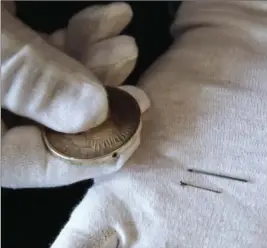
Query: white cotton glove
[[208, 111], [85, 39], [42, 83]]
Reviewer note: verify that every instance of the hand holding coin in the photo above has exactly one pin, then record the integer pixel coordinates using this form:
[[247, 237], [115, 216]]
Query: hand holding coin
[[67, 96], [104, 142]]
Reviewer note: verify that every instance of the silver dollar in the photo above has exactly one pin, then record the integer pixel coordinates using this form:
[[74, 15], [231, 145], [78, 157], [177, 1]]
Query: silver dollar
[[121, 125]]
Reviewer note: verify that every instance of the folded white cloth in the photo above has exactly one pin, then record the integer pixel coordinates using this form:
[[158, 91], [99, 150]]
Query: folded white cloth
[[209, 101]]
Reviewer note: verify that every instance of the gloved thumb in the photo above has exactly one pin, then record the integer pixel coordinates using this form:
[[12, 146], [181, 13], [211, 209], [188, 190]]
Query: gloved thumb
[[89, 228], [43, 84]]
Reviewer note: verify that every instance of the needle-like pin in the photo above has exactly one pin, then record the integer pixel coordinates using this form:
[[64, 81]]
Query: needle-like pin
[[200, 187], [217, 175]]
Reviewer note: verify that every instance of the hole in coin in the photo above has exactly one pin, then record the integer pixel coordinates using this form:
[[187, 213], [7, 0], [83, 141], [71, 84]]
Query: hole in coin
[[114, 155]]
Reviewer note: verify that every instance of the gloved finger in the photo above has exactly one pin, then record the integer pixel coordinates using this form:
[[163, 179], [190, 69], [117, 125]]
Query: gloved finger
[[112, 60], [94, 24], [26, 162], [139, 95], [89, 228], [58, 39], [42, 83]]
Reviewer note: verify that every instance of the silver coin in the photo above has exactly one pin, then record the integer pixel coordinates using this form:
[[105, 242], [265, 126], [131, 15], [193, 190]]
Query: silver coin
[[121, 124]]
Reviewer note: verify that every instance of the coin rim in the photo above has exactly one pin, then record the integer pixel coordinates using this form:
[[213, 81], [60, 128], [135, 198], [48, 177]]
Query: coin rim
[[83, 160]]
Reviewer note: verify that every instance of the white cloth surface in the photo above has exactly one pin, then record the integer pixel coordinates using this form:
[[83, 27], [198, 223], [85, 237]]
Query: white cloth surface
[[40, 82], [208, 111]]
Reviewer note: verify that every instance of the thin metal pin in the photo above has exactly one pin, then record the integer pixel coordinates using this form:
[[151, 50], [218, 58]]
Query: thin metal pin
[[217, 175], [200, 187]]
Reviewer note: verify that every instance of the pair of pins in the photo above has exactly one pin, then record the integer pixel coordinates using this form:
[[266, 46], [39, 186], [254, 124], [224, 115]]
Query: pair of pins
[[182, 183]]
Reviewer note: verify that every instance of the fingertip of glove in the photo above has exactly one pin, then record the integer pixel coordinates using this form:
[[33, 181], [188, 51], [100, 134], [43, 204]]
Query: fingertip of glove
[[58, 38], [112, 60], [100, 106], [120, 8], [78, 108], [97, 23], [88, 112]]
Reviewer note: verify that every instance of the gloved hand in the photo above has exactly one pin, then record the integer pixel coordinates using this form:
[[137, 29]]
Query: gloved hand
[[42, 83], [208, 111]]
